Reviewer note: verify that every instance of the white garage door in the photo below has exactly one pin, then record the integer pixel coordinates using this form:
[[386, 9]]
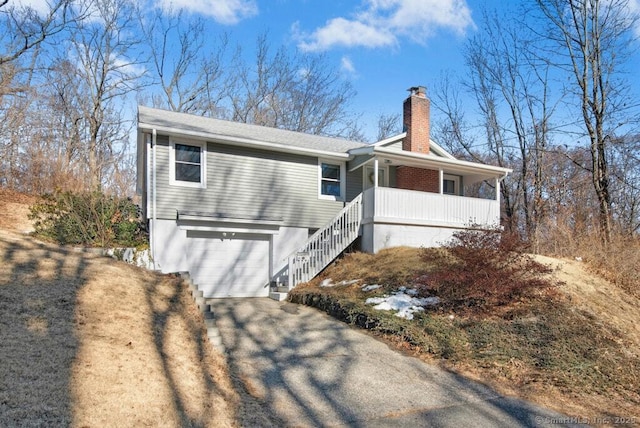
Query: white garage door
[[229, 267]]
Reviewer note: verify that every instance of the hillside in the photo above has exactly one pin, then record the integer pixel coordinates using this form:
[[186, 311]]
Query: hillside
[[89, 341], [574, 348]]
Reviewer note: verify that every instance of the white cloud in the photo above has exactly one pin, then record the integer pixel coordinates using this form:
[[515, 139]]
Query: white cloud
[[347, 65], [40, 6], [340, 31], [381, 23], [223, 11]]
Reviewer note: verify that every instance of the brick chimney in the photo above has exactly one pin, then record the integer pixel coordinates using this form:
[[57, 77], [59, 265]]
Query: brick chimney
[[416, 121], [416, 124]]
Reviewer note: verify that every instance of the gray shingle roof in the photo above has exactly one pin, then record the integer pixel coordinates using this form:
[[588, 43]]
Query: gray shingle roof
[[150, 117]]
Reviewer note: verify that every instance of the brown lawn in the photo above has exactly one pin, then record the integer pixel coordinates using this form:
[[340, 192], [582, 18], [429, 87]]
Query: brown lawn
[[90, 342]]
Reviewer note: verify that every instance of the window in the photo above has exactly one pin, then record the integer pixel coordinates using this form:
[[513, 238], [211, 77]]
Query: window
[[369, 177], [450, 185], [188, 164], [331, 180]]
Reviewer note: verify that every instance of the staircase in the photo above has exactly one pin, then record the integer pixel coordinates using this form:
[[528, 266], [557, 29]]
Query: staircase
[[326, 244]]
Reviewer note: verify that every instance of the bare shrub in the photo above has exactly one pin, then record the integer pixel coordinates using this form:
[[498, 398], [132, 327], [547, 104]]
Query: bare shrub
[[486, 270]]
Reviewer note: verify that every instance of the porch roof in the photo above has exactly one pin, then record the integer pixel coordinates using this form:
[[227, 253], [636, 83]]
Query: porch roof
[[472, 171]]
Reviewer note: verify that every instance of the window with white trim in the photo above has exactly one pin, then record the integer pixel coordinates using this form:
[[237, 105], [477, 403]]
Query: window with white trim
[[188, 164], [450, 184], [332, 180]]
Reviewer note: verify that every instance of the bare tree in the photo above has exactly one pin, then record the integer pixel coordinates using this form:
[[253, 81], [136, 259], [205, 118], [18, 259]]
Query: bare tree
[[593, 38], [389, 125], [187, 70], [24, 28], [510, 89], [103, 71], [289, 91]]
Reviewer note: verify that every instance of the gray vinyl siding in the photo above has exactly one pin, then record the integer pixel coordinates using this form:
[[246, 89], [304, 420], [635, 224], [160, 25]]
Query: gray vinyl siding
[[394, 146], [248, 182], [354, 183], [393, 172]]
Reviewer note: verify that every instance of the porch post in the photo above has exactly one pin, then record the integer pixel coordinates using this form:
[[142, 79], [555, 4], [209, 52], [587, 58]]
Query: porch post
[[441, 179], [375, 172], [498, 189]]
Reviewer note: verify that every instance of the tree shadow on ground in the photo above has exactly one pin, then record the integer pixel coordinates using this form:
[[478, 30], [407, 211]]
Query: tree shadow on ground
[[310, 370], [38, 344]]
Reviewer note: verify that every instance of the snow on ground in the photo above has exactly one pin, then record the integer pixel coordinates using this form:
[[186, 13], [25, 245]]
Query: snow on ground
[[329, 282], [370, 287], [403, 302]]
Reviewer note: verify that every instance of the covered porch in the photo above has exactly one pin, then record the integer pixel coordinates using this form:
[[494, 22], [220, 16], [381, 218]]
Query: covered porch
[[420, 200]]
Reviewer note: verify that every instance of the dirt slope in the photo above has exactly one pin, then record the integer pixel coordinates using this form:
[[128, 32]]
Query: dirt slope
[[88, 341], [600, 297]]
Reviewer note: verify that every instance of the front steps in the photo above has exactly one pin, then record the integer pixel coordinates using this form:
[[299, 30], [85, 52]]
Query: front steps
[[213, 333], [279, 293]]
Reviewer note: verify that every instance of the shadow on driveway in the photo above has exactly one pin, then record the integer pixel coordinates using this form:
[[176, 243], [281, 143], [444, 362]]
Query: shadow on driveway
[[312, 370]]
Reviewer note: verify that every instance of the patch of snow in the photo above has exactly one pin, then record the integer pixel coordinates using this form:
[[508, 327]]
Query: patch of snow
[[345, 282], [370, 287], [403, 303], [327, 283]]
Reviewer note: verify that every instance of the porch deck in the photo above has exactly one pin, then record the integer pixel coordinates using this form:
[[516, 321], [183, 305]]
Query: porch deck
[[410, 207]]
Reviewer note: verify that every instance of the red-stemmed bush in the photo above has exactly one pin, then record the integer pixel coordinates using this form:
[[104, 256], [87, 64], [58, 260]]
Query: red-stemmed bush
[[482, 269]]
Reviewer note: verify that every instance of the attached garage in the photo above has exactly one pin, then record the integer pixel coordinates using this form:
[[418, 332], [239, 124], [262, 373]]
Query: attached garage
[[229, 264]]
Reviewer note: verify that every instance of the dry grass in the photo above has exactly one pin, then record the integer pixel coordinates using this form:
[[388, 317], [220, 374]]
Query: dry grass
[[88, 341], [576, 349], [618, 261], [92, 342]]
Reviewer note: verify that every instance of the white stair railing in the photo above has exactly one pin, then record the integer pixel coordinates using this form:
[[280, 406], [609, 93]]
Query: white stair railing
[[326, 244]]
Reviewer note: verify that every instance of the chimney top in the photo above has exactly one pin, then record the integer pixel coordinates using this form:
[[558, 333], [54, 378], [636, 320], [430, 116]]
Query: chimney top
[[420, 91]]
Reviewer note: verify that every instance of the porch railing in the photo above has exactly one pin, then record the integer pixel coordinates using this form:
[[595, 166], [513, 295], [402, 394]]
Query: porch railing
[[423, 208], [326, 244]]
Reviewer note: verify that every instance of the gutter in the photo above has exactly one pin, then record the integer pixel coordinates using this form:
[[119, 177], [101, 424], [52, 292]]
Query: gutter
[[245, 142]]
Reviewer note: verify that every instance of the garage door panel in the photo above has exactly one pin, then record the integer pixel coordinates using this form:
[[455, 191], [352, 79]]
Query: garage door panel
[[230, 267]]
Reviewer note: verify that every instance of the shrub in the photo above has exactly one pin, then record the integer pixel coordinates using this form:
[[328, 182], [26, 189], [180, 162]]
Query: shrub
[[93, 219], [485, 270]]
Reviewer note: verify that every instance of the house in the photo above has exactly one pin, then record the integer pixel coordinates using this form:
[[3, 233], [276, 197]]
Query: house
[[246, 208]]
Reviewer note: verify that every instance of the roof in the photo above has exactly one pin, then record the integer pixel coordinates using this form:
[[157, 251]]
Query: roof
[[264, 137], [240, 133]]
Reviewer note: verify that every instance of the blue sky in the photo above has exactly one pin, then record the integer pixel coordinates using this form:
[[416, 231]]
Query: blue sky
[[382, 46]]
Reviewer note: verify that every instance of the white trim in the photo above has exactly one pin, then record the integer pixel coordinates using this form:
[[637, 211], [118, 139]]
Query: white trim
[[366, 182], [429, 161], [456, 183], [203, 162], [437, 149], [343, 180], [392, 139], [230, 230], [204, 218], [242, 142]]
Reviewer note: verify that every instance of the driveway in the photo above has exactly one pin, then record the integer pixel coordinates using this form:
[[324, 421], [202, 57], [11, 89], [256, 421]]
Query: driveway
[[312, 370]]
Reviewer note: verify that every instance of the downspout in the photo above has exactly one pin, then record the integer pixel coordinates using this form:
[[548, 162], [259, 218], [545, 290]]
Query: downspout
[[152, 239]]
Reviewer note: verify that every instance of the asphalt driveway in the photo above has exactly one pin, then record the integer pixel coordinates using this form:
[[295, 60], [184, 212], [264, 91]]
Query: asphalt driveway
[[312, 370]]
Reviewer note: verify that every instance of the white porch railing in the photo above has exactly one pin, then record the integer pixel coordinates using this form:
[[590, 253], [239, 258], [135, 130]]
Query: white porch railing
[[383, 204], [326, 244]]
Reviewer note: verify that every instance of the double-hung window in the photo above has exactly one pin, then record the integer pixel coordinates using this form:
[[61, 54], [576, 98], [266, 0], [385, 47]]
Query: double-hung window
[[332, 180], [188, 164]]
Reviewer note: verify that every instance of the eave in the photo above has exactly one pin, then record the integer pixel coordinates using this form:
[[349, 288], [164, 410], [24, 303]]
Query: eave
[[242, 142]]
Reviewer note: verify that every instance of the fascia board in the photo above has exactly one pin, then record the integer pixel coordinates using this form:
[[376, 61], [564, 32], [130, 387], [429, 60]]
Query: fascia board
[[439, 161], [391, 139], [243, 142]]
